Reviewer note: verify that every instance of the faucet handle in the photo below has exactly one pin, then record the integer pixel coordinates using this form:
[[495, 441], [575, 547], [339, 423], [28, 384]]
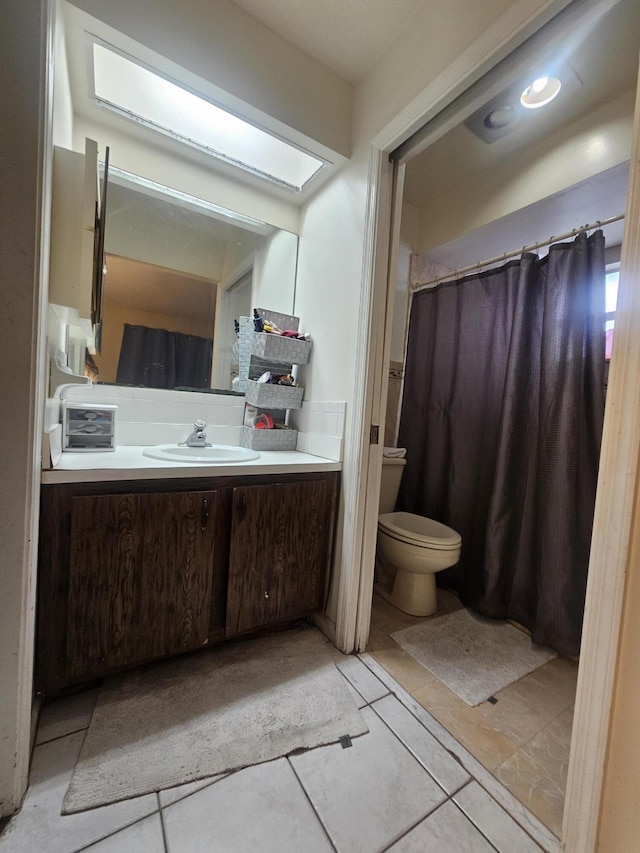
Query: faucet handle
[[199, 425]]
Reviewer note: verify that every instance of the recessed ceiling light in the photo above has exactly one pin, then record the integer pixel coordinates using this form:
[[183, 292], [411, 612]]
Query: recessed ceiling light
[[540, 92]]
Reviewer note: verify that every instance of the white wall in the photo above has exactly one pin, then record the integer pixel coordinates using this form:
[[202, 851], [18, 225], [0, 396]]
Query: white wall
[[431, 40], [409, 231], [274, 273], [592, 144], [62, 106]]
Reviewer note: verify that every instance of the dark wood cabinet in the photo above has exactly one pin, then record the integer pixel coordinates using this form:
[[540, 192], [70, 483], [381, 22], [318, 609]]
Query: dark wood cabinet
[[140, 577], [136, 571], [281, 538]]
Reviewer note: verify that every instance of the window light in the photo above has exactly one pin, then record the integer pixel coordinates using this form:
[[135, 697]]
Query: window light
[[142, 95], [611, 300]]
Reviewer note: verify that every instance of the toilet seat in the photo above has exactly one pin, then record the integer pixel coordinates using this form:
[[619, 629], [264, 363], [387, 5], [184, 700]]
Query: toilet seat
[[420, 531]]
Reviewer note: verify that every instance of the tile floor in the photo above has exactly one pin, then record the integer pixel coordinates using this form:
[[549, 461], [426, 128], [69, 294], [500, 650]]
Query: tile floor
[[406, 786], [523, 739]]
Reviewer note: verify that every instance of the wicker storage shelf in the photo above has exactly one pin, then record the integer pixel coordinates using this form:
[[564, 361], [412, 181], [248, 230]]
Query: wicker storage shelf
[[268, 439], [273, 396], [276, 348]]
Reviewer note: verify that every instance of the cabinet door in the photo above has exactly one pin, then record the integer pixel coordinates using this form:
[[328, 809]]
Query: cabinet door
[[281, 539], [140, 581]]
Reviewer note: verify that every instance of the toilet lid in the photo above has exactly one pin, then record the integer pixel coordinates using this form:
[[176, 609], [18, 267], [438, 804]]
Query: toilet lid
[[420, 530]]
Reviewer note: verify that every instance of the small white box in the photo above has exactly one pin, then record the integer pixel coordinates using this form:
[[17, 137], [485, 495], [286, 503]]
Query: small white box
[[88, 427]]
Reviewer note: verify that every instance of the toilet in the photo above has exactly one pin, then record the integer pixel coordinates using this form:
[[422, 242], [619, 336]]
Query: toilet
[[410, 549]]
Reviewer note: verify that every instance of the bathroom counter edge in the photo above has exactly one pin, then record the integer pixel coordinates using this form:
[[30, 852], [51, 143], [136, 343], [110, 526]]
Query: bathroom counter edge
[[128, 463]]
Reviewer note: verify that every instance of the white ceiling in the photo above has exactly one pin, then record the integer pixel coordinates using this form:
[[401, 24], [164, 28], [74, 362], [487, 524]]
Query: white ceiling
[[348, 36]]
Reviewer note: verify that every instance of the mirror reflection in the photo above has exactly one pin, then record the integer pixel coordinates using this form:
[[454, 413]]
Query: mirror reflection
[[178, 272]]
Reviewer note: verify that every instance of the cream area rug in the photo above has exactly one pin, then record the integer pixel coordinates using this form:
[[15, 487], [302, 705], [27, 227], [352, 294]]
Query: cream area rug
[[473, 656], [243, 703]]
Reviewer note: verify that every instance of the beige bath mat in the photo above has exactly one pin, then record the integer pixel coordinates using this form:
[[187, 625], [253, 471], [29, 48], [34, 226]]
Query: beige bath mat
[[193, 717], [473, 656]]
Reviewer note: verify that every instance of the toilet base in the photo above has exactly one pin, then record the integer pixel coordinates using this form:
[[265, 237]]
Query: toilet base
[[411, 593]]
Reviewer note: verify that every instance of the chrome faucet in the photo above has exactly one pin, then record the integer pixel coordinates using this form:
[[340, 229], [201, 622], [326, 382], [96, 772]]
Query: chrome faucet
[[198, 437]]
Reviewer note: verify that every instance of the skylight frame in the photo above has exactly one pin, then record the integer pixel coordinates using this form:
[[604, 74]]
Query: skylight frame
[[223, 214], [171, 85]]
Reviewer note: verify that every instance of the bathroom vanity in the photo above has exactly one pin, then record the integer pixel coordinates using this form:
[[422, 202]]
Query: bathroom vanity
[[141, 565]]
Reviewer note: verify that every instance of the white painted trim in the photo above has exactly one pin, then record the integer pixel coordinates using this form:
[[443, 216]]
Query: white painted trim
[[326, 625], [388, 241], [612, 531], [223, 326], [355, 474]]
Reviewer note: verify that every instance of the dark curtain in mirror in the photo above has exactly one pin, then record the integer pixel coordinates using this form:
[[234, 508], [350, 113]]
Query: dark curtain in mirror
[[157, 358]]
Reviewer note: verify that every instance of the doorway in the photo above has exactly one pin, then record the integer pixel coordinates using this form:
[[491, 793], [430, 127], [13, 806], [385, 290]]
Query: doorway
[[586, 773]]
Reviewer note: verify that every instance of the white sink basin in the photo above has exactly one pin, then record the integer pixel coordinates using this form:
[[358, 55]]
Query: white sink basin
[[217, 454]]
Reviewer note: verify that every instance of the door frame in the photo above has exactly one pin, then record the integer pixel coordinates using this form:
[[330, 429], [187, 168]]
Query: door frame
[[619, 467], [28, 39], [223, 334]]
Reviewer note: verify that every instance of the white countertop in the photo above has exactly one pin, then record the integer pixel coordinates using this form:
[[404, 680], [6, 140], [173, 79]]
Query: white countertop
[[128, 463]]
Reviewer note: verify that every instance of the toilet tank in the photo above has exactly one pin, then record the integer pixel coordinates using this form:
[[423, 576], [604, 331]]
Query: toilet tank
[[392, 469]]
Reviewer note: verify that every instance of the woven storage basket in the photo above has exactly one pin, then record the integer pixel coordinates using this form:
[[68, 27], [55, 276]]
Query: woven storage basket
[[273, 396], [282, 321], [268, 439], [277, 348]]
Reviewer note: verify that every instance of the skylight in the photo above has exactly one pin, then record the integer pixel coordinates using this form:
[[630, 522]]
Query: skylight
[[142, 95]]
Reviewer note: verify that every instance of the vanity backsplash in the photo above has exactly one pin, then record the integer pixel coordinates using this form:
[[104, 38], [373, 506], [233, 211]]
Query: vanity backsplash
[[148, 416]]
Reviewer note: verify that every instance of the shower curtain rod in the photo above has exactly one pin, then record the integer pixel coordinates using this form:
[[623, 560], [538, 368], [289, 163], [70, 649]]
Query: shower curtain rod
[[454, 274]]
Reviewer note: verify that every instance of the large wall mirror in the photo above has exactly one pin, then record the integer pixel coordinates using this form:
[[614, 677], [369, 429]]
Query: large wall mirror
[[179, 270]]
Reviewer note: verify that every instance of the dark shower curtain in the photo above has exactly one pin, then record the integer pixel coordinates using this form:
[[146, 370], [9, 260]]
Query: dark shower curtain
[[502, 420], [157, 358]]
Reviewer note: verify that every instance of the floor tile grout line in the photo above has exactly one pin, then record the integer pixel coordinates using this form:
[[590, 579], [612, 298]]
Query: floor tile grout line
[[413, 826], [163, 829], [60, 737], [193, 793], [352, 686], [368, 702], [538, 766], [476, 825], [310, 801], [500, 730], [490, 795], [551, 721], [410, 751], [404, 697], [512, 814], [548, 723], [115, 831]]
